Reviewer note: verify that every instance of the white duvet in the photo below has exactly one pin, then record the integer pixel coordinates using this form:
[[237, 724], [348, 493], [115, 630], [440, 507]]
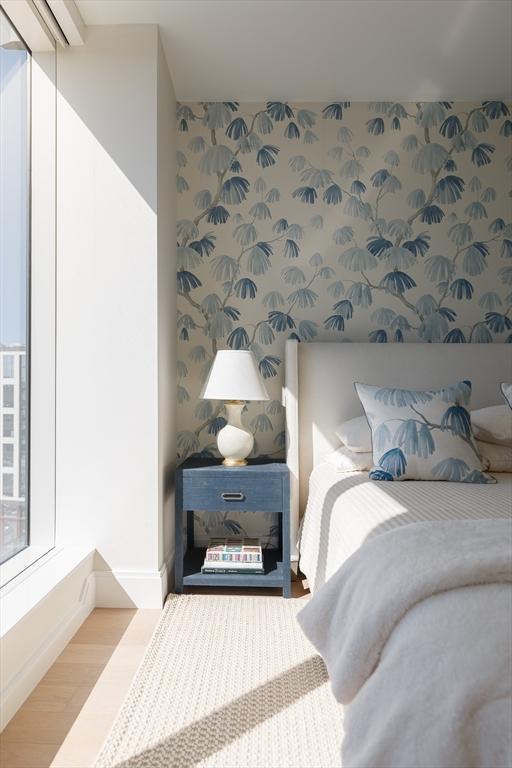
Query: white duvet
[[346, 509], [416, 632]]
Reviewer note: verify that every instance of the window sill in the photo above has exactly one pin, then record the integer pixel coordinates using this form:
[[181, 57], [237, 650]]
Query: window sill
[[14, 568], [24, 592]]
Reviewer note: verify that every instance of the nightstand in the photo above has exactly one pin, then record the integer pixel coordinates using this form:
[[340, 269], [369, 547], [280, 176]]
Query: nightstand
[[206, 485]]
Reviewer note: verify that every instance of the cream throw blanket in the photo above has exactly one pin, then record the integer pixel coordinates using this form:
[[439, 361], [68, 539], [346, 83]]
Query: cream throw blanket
[[416, 633]]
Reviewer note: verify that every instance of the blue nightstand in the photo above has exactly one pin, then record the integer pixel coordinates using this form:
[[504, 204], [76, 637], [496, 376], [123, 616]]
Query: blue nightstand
[[205, 485]]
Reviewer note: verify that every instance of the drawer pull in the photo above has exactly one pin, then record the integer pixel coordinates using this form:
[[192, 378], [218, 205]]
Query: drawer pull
[[233, 496]]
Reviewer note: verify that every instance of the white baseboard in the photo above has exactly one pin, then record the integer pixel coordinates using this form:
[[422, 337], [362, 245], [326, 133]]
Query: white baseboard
[[131, 589], [34, 642]]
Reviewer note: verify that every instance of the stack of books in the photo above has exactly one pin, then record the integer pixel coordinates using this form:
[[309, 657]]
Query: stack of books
[[233, 556]]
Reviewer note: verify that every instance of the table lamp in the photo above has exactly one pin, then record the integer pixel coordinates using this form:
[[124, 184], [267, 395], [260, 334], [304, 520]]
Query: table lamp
[[234, 378]]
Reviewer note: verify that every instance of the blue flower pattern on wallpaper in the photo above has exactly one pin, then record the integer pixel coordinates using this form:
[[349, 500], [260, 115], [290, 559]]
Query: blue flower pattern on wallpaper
[[422, 435], [236, 232], [380, 222]]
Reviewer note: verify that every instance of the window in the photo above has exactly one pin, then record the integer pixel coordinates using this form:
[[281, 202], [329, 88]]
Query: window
[[8, 455], [8, 396], [27, 300], [8, 425], [8, 491], [8, 366], [14, 250]]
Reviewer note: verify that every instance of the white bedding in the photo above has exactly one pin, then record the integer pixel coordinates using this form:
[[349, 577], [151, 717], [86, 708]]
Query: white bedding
[[415, 632], [346, 509]]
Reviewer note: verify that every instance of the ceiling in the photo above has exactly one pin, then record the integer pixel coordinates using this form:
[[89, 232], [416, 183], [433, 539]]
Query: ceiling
[[316, 50]]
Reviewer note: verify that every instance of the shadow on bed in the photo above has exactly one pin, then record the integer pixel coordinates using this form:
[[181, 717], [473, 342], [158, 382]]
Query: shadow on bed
[[378, 507], [403, 518], [331, 497], [442, 506]]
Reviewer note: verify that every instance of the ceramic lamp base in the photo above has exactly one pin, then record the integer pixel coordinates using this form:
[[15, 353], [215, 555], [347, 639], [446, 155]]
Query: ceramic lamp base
[[234, 441]]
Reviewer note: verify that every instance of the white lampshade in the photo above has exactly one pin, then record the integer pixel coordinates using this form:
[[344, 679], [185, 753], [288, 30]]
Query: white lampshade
[[234, 375]]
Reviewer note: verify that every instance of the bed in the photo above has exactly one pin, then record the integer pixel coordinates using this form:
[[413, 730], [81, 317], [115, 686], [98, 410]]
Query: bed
[[331, 513], [345, 510], [411, 581]]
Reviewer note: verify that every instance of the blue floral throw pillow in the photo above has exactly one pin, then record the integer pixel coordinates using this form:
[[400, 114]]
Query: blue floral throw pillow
[[422, 435]]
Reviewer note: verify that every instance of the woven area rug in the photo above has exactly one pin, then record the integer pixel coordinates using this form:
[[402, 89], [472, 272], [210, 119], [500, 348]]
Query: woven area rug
[[227, 682]]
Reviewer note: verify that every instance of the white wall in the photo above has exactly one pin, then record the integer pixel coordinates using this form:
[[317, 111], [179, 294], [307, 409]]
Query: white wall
[[166, 234], [115, 256], [116, 347]]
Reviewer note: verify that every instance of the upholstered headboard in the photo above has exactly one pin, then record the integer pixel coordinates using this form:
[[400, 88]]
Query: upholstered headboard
[[319, 390]]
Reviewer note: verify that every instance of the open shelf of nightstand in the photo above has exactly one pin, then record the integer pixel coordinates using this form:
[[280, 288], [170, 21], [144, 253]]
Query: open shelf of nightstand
[[192, 576]]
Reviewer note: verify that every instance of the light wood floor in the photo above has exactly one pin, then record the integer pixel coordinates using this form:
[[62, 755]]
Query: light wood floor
[[66, 719]]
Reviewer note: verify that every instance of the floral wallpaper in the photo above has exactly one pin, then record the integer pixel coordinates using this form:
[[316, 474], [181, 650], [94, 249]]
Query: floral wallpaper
[[380, 221]]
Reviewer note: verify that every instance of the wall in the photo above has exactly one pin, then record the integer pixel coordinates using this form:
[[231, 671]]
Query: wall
[[316, 224], [116, 353], [351, 222], [166, 234], [114, 259]]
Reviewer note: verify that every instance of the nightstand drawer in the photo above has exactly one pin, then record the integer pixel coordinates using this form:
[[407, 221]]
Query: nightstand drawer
[[234, 490]]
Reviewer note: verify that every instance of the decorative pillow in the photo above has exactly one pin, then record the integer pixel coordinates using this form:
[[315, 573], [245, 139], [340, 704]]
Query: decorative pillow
[[422, 435], [346, 460], [493, 424], [506, 390], [496, 458], [355, 434]]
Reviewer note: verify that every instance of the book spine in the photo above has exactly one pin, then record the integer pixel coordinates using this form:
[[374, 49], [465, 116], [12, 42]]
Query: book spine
[[207, 570], [214, 557]]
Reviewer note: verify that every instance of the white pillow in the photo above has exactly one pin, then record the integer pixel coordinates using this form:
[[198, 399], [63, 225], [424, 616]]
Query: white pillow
[[496, 458], [346, 460], [355, 434], [493, 424]]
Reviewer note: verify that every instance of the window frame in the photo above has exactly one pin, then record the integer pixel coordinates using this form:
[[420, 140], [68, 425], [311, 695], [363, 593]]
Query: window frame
[[41, 312]]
